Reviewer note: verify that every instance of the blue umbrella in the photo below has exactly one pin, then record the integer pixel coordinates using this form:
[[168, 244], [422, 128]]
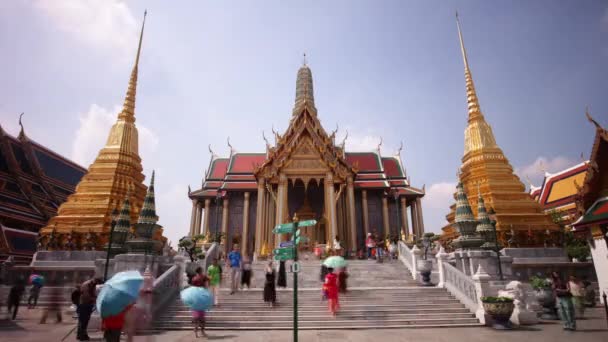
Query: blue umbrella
[[118, 292], [197, 298]]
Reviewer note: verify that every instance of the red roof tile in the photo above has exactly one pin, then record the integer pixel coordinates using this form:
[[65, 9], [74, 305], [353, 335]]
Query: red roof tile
[[245, 162], [392, 167], [365, 161], [218, 169], [371, 184]]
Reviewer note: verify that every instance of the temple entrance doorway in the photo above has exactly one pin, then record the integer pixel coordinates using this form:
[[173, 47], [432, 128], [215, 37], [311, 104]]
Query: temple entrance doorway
[[307, 201]]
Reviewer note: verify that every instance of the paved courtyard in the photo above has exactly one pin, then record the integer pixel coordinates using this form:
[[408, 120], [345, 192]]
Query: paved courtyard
[[591, 329]]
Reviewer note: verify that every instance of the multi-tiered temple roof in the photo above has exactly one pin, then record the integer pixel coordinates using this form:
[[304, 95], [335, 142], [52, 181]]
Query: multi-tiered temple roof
[[34, 182], [237, 173]]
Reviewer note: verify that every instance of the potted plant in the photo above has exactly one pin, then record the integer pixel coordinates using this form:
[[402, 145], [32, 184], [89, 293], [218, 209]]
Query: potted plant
[[424, 265], [500, 310], [544, 295]]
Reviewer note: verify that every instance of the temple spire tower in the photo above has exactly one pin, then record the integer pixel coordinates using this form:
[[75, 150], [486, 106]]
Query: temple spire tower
[[485, 167], [115, 174]]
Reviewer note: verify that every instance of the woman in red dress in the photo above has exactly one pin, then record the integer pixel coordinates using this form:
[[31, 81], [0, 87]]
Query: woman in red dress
[[331, 286]]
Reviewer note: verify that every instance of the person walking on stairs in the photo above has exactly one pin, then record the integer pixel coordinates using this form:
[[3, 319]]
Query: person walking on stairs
[[246, 273], [214, 274], [331, 289], [32, 300], [370, 244], [234, 259], [342, 275], [578, 296], [270, 292], [282, 279], [14, 297]]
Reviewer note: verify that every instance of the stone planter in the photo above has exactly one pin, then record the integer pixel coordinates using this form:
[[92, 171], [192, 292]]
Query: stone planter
[[425, 267], [546, 299], [501, 314]]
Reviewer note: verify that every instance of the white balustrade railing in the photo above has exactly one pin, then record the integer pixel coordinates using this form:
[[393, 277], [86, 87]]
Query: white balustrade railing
[[406, 256], [461, 286], [166, 287]]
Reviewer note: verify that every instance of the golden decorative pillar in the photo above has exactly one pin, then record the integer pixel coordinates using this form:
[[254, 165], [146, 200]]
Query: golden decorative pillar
[[385, 220], [193, 218], [199, 217], [414, 215], [225, 203], [404, 218], [206, 217], [420, 219], [259, 217], [352, 222], [331, 203], [280, 216], [245, 238], [365, 212]]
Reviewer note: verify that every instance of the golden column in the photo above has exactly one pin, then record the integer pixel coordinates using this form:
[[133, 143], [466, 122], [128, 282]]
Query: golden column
[[414, 214], [206, 217], [404, 217], [245, 237], [225, 203], [281, 202], [193, 217], [385, 216], [351, 213], [329, 189], [199, 217], [365, 213], [259, 217], [420, 219]]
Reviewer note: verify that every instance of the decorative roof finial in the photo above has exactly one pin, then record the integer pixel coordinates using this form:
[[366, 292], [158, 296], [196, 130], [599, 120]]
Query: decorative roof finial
[[305, 98], [379, 145], [304, 59], [213, 155], [128, 109], [21, 132], [398, 154], [597, 125], [265, 140], [231, 148], [343, 144]]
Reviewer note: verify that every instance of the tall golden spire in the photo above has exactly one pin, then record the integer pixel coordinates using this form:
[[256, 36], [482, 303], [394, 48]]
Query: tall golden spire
[[128, 108], [115, 173], [486, 171], [304, 90], [478, 134]]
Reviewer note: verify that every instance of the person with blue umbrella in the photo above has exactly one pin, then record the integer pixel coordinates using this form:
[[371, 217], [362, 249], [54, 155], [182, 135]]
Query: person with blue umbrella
[[115, 298], [198, 299]]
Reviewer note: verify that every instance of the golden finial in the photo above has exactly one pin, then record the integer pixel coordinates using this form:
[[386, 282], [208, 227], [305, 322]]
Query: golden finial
[[398, 154], [128, 108], [22, 132], [265, 140], [213, 155], [379, 145], [597, 125], [304, 60], [230, 146], [343, 144]]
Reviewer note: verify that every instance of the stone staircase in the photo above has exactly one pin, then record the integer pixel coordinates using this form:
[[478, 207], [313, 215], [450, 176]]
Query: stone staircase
[[380, 295]]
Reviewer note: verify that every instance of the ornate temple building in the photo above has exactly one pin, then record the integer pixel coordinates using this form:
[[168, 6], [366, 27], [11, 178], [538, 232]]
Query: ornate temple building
[[115, 175], [485, 168], [592, 205], [306, 173], [558, 192], [34, 182]]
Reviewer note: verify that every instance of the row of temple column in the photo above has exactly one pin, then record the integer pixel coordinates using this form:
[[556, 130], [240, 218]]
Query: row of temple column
[[272, 210]]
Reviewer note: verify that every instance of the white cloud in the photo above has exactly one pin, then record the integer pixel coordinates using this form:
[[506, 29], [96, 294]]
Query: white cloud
[[93, 133], [436, 205], [363, 142], [105, 24], [535, 170]]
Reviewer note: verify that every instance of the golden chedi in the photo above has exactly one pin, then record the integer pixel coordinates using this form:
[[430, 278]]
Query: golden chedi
[[115, 173], [485, 166]]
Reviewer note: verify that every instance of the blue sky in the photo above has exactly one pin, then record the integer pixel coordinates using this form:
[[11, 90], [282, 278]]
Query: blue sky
[[391, 69]]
